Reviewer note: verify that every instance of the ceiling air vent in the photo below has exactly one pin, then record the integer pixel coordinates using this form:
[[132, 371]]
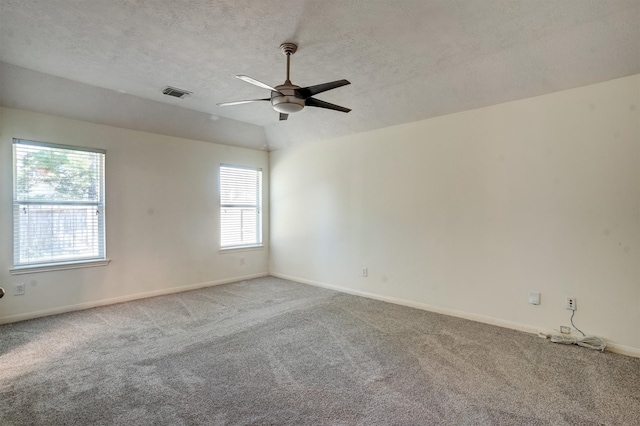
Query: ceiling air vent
[[175, 92]]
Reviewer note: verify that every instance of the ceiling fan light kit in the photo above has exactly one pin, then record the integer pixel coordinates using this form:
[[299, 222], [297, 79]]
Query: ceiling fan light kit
[[286, 101], [288, 98]]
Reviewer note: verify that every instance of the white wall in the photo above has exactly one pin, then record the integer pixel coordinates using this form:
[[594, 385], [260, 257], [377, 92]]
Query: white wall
[[162, 218], [30, 90], [467, 213]]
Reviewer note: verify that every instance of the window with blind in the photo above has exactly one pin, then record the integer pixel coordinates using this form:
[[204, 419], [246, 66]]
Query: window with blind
[[58, 204], [240, 207]]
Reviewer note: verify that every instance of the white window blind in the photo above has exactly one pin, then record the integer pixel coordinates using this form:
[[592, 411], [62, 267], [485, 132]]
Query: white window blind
[[240, 206], [58, 203]]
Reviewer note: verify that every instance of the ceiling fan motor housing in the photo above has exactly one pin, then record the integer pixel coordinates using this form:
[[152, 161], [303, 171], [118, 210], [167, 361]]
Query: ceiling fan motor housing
[[285, 100]]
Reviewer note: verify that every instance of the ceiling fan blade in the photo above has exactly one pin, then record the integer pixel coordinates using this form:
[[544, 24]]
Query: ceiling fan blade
[[242, 102], [309, 91], [322, 104], [256, 82], [283, 116]]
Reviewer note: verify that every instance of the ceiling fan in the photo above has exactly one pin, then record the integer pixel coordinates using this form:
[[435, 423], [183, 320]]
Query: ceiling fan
[[288, 98]]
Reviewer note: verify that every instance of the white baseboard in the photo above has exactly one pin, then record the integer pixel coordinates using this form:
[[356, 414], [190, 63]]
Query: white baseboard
[[121, 299], [623, 350], [612, 347]]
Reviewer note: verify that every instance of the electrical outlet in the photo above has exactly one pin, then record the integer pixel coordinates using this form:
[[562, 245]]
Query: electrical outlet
[[18, 289], [565, 330], [365, 271], [571, 304]]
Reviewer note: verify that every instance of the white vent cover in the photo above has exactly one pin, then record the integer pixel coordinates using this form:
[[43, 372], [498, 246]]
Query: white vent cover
[[175, 92]]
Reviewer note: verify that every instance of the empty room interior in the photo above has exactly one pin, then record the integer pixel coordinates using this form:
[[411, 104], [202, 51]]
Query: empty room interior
[[320, 212]]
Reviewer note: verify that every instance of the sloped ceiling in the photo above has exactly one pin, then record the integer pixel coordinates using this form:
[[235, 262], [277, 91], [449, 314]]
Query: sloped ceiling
[[407, 60]]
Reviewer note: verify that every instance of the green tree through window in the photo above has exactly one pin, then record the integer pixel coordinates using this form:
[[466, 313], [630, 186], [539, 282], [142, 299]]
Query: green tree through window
[[57, 174]]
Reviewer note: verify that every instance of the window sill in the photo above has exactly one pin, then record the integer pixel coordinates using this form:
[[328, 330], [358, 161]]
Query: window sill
[[244, 248], [57, 266]]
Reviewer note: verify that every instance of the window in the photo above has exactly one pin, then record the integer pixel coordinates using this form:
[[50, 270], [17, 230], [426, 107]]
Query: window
[[58, 204], [240, 207]]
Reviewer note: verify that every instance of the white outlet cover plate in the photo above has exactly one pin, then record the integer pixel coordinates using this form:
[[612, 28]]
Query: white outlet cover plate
[[534, 298], [18, 289]]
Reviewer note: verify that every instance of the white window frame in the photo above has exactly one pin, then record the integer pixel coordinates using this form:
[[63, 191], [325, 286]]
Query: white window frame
[[24, 265], [240, 242]]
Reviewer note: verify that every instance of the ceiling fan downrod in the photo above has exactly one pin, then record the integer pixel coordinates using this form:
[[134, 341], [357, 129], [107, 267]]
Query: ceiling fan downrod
[[288, 49]]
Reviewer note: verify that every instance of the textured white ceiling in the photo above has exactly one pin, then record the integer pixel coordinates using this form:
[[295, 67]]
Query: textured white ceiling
[[406, 59]]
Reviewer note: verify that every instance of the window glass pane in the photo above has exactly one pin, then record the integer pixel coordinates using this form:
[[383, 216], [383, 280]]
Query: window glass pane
[[45, 173], [54, 233], [239, 186], [240, 206], [239, 226], [58, 204]]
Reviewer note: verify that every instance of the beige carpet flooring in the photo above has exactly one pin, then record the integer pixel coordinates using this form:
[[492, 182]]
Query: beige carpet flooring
[[274, 352]]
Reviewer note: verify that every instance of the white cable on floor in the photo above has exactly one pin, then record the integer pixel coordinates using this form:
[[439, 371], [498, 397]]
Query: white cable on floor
[[591, 342]]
